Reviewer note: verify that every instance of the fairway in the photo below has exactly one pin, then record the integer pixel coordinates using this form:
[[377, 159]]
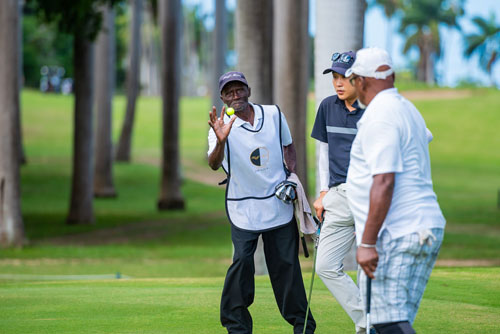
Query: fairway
[[177, 260], [457, 300], [112, 220]]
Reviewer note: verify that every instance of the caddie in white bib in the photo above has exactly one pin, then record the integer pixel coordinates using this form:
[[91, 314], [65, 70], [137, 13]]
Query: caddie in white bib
[[253, 146], [254, 164]]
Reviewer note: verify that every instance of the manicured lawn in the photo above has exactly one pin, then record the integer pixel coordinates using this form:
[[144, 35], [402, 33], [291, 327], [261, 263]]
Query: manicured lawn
[[177, 260], [456, 301], [464, 154]]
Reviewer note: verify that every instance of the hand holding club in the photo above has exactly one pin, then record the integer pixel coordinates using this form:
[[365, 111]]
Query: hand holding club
[[367, 259]]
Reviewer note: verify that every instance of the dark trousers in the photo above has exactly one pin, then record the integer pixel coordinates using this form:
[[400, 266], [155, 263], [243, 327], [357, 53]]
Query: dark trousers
[[281, 252]]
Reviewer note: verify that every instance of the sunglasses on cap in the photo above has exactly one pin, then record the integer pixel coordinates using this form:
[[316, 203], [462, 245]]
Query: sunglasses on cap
[[341, 58]]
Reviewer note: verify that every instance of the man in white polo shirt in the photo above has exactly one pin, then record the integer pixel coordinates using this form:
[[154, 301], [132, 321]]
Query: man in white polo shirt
[[399, 225]]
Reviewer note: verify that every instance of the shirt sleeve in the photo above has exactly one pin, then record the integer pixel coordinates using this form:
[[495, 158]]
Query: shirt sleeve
[[212, 141], [319, 128], [429, 135], [286, 136], [382, 148], [323, 167]]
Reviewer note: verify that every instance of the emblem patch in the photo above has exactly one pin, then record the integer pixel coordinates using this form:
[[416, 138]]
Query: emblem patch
[[259, 157]]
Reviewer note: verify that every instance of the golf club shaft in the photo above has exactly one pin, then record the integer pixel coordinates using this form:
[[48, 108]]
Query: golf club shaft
[[310, 292], [368, 300], [313, 271]]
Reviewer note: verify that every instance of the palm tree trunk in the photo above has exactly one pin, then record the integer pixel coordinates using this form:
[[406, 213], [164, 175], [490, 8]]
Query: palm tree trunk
[[170, 18], [11, 222], [133, 75], [104, 84], [254, 45], [291, 72], [81, 209], [330, 15], [219, 51], [18, 129]]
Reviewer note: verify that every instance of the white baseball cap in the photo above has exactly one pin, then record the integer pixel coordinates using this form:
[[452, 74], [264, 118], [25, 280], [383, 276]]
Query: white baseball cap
[[368, 60]]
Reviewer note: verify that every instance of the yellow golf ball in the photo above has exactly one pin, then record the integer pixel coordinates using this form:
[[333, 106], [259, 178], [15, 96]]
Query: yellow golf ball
[[230, 111]]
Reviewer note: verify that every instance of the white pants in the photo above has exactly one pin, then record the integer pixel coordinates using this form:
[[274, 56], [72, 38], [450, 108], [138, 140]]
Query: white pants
[[335, 241]]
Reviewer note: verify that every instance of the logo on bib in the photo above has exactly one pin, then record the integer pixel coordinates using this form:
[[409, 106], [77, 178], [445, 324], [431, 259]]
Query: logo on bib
[[259, 157]]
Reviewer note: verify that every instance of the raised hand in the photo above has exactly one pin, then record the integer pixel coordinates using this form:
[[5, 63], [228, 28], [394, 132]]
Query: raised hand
[[221, 129]]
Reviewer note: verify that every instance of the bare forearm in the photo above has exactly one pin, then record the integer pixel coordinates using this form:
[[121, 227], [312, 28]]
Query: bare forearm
[[215, 158], [380, 202], [290, 157]]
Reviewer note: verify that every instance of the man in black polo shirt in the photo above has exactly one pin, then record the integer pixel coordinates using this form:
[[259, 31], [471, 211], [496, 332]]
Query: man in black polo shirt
[[335, 128]]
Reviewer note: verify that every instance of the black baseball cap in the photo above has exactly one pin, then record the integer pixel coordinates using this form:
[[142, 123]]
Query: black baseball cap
[[341, 62], [229, 77]]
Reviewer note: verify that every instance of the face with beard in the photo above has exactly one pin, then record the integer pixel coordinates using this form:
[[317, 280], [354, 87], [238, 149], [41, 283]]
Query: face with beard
[[361, 105], [359, 83]]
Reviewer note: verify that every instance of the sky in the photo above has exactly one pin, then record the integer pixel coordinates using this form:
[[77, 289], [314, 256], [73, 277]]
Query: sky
[[451, 69], [453, 66]]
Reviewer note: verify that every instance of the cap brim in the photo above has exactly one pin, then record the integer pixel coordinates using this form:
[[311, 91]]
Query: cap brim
[[339, 70], [222, 88]]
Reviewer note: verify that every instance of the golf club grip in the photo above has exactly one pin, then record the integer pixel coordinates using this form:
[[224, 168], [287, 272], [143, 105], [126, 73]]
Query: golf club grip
[[368, 293], [304, 246]]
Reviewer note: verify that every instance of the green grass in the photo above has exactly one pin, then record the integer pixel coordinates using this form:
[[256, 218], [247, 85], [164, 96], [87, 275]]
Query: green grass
[[178, 259], [464, 157], [456, 301]]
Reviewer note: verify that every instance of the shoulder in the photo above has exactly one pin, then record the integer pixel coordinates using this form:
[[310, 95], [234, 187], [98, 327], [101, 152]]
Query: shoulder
[[387, 106], [329, 102], [272, 110]]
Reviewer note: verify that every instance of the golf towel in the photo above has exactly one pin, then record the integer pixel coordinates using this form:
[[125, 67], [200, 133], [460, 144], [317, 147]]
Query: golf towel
[[302, 209]]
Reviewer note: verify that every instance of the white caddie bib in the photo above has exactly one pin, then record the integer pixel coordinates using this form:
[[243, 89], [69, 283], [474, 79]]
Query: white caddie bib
[[255, 166]]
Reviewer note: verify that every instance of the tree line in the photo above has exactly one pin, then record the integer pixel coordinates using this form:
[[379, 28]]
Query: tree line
[[91, 26], [273, 45], [419, 22]]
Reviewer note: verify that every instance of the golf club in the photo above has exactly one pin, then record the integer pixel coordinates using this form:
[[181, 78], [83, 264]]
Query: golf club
[[316, 242], [304, 245], [368, 297]]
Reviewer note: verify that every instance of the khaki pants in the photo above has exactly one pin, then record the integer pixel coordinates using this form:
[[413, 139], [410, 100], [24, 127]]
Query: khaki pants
[[335, 241]]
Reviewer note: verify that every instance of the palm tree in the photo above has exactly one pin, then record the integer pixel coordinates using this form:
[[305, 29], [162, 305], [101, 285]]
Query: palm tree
[[11, 222], [485, 43], [83, 20], [420, 24], [219, 50], [133, 75], [81, 210], [170, 190], [291, 39], [254, 46], [18, 129], [390, 8], [104, 86], [348, 16]]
